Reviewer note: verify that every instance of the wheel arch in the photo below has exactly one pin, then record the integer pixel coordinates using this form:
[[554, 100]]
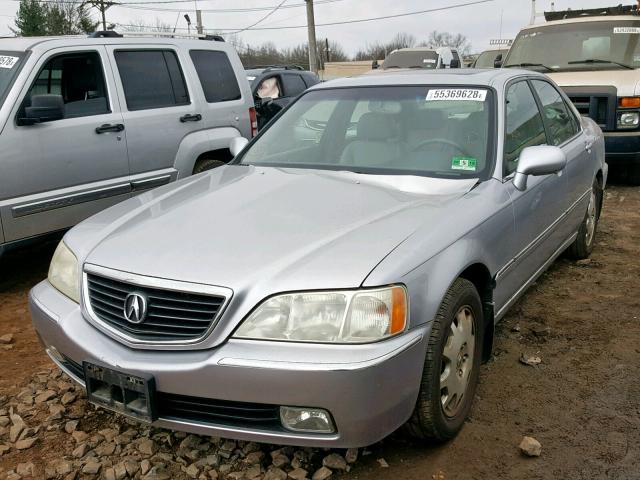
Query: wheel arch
[[197, 145], [479, 275]]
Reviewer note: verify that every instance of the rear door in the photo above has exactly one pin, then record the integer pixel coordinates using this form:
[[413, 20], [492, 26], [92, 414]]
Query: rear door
[[56, 173], [158, 109]]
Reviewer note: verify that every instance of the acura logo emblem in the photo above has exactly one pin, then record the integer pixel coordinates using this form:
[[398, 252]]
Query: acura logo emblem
[[135, 308]]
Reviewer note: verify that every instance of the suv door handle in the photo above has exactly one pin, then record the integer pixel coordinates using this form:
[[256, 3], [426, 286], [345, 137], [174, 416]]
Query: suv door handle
[[191, 118], [117, 127]]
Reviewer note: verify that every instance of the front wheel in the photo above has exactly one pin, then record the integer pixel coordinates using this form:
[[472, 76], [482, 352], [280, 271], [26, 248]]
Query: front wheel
[[207, 164], [582, 246], [452, 365]]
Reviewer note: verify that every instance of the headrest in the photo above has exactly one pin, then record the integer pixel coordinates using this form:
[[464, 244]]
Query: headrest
[[427, 119], [375, 126]]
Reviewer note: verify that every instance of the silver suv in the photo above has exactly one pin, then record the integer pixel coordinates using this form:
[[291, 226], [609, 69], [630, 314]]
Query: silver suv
[[86, 122]]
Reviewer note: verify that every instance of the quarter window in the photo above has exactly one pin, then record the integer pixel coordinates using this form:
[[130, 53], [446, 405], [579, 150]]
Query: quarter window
[[151, 79], [560, 121], [524, 127], [293, 85], [216, 76], [76, 77]]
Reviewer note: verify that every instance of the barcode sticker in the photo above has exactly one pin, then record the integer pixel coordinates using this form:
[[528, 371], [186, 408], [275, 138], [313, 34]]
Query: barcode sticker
[[626, 29], [8, 62], [468, 94]]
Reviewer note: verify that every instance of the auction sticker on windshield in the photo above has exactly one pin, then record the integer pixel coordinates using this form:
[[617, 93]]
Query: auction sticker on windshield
[[8, 62], [464, 163], [467, 94], [626, 29]]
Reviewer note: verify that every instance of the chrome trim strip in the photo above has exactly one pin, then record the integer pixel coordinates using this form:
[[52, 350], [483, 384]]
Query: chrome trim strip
[[151, 282], [69, 200], [534, 277], [526, 250]]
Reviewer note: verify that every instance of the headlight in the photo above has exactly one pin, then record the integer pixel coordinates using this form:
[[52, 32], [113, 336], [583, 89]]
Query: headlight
[[628, 119], [63, 272], [357, 316]]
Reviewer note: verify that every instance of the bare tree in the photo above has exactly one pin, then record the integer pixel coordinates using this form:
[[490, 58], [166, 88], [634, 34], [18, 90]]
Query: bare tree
[[378, 51], [446, 39], [144, 26]]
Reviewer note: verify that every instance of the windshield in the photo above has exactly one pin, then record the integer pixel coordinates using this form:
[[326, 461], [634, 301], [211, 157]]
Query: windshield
[[487, 58], [412, 59], [10, 63], [578, 46], [427, 131]]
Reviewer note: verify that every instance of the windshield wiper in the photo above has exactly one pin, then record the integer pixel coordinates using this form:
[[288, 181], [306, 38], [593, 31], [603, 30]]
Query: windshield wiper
[[529, 65], [597, 60]]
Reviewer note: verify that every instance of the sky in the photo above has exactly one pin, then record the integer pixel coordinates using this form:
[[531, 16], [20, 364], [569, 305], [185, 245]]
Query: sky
[[479, 23]]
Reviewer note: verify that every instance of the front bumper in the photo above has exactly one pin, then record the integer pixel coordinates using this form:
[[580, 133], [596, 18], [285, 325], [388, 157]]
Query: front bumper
[[622, 148], [369, 390]]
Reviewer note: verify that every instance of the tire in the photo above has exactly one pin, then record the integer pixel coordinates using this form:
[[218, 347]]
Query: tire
[[439, 415], [582, 246], [633, 174], [207, 164]]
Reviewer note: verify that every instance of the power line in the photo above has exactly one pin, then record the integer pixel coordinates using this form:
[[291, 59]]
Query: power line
[[135, 6], [263, 18], [362, 20]]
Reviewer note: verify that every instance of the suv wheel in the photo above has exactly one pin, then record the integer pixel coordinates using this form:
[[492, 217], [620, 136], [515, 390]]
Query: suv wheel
[[207, 164], [452, 365]]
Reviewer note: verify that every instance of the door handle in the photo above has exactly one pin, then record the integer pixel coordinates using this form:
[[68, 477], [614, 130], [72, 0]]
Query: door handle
[[588, 146], [117, 127], [191, 118]]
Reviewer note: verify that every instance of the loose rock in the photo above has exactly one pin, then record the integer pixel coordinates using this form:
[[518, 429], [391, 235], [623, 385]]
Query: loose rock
[[322, 474], [530, 360], [335, 462], [91, 467], [530, 447], [275, 474], [383, 463], [6, 339], [351, 456], [26, 443]]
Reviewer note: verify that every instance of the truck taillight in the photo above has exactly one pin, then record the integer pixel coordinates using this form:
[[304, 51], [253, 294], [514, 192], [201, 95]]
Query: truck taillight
[[254, 122]]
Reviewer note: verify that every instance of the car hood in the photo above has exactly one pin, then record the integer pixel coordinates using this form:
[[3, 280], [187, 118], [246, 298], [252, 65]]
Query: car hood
[[627, 82], [242, 226]]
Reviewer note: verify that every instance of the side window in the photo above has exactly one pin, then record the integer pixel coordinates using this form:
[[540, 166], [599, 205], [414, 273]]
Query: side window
[[78, 78], [151, 79], [560, 121], [269, 88], [524, 127], [216, 75], [293, 85]]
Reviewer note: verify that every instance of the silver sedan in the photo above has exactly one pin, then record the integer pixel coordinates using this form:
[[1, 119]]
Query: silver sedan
[[343, 275]]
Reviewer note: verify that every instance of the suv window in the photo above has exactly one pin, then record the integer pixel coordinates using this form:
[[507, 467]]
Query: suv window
[[524, 127], [293, 85], [560, 121], [78, 78], [151, 79], [216, 76]]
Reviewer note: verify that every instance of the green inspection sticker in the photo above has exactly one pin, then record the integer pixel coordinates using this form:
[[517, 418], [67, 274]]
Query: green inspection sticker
[[464, 163]]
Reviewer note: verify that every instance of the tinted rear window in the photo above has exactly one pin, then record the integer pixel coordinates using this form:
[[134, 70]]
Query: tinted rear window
[[216, 75], [151, 79], [293, 85]]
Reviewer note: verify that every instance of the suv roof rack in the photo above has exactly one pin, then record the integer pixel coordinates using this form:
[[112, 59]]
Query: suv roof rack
[[279, 67], [114, 34], [592, 12]]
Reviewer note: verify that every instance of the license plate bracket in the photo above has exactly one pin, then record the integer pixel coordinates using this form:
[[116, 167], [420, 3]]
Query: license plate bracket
[[124, 393]]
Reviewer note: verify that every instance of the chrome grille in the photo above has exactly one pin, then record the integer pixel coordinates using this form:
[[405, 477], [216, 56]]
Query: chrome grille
[[172, 316]]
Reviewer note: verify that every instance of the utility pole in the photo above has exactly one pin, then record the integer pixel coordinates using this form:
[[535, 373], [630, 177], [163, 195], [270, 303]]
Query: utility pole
[[328, 50], [311, 27], [199, 21], [102, 5]]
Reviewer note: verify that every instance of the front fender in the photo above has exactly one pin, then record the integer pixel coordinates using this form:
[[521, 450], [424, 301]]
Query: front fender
[[202, 141]]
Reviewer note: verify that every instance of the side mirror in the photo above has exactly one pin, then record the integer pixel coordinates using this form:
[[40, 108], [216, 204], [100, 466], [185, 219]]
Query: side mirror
[[455, 63], [44, 108], [237, 145], [375, 65], [497, 62], [538, 160]]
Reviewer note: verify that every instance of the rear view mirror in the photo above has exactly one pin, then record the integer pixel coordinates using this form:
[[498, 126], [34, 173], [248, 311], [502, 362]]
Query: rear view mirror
[[538, 160], [497, 62], [44, 108], [455, 63], [237, 145]]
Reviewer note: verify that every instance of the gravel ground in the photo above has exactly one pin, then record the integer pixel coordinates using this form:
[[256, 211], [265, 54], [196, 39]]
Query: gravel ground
[[564, 373]]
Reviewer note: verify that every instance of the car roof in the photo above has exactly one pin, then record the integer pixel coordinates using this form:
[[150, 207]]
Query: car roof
[[585, 19], [462, 76], [23, 44]]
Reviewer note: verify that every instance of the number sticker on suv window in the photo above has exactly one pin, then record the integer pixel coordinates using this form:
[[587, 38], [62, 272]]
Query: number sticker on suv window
[[467, 94], [7, 62]]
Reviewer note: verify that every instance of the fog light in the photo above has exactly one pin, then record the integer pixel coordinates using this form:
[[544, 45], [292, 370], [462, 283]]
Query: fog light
[[628, 120], [309, 420]]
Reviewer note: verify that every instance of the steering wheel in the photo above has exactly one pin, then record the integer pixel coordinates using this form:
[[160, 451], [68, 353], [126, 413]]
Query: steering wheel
[[442, 141]]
